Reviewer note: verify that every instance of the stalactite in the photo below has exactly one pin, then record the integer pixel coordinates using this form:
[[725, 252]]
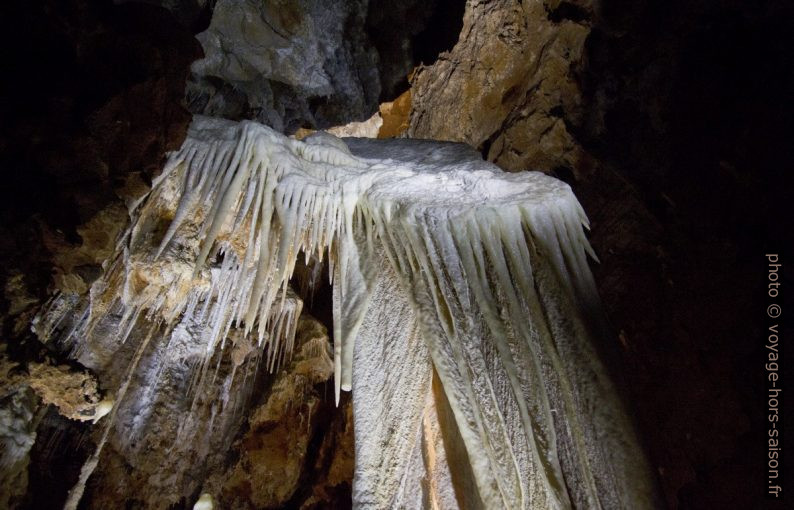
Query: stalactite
[[447, 273]]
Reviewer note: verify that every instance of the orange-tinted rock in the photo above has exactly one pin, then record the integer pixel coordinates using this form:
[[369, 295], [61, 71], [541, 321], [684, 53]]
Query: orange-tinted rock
[[395, 115], [273, 452], [505, 87]]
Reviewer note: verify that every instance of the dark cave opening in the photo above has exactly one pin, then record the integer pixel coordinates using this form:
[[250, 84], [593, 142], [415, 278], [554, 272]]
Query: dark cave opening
[[312, 284], [693, 95], [409, 34], [61, 448], [442, 31], [568, 11]]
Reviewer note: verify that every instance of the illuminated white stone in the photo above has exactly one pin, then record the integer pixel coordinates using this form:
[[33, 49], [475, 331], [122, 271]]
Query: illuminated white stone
[[464, 308], [205, 502]]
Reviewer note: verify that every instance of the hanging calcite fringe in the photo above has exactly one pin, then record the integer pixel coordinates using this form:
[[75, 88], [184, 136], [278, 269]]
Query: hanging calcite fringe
[[462, 300]]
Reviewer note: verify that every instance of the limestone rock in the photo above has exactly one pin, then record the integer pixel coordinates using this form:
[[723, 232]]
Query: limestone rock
[[395, 115], [307, 63], [75, 393], [22, 391], [76, 266], [508, 86], [286, 64], [366, 129]]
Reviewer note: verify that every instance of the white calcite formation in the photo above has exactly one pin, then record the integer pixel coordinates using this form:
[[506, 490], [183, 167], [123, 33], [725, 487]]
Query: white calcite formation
[[465, 314]]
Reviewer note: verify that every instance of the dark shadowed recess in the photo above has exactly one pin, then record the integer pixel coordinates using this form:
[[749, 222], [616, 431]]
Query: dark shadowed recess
[[441, 33], [688, 106], [195, 15], [411, 33], [61, 447], [90, 94]]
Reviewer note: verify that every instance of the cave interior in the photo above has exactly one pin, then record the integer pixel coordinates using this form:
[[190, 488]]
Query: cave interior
[[670, 123]]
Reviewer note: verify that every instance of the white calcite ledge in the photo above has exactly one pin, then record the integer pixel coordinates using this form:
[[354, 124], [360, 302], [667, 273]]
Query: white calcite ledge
[[463, 307]]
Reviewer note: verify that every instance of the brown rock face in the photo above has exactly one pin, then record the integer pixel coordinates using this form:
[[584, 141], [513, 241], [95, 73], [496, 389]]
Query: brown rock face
[[26, 391], [73, 392], [274, 450], [505, 85], [396, 115]]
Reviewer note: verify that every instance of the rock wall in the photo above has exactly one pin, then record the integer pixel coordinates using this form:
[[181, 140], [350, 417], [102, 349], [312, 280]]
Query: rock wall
[[654, 118], [94, 105], [275, 457], [286, 64], [249, 440], [508, 86], [307, 64]]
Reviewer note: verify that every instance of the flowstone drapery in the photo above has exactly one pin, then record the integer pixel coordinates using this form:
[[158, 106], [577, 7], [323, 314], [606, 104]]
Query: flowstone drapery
[[464, 308]]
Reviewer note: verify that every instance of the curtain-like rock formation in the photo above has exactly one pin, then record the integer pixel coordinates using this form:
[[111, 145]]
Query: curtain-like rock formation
[[464, 319]]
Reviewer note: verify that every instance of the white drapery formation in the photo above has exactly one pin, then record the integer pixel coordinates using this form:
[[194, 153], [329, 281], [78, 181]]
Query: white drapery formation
[[463, 307]]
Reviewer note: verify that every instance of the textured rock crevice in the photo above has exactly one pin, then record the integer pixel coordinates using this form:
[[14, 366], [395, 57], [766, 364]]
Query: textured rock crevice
[[276, 455]]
